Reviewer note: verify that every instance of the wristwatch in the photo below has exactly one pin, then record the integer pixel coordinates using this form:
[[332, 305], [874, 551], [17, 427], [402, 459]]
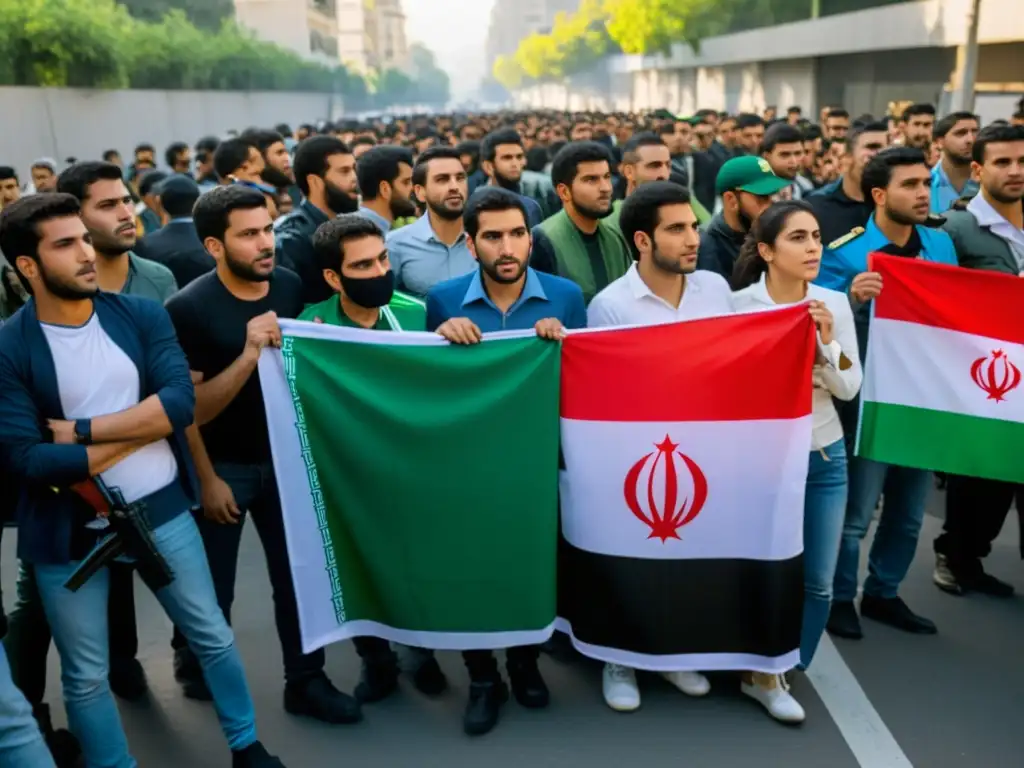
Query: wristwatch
[[83, 431]]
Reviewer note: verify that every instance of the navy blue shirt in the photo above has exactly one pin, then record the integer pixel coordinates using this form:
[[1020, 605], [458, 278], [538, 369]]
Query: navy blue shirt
[[543, 296]]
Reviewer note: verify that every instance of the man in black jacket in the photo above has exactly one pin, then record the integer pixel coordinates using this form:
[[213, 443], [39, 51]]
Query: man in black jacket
[[746, 185], [325, 171], [176, 245]]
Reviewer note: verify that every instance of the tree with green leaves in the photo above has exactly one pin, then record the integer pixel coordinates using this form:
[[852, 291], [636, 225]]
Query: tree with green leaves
[[205, 14]]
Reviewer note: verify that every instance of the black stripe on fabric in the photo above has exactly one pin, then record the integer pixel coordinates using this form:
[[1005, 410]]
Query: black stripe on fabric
[[669, 607]]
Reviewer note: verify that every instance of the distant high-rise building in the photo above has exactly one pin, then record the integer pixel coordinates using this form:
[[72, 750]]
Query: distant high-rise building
[[308, 27], [513, 20], [371, 34]]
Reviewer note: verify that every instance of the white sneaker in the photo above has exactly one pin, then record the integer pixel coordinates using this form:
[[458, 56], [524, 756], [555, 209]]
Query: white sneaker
[[772, 692], [690, 683], [619, 686]]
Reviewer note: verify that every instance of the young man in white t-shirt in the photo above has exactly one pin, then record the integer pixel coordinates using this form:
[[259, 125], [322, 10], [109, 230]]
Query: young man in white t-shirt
[[95, 385]]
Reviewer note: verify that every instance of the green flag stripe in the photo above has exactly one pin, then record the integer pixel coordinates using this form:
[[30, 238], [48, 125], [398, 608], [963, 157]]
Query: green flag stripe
[[942, 441], [434, 464]]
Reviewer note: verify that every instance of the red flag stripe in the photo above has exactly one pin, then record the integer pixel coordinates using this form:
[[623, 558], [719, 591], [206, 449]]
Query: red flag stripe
[[740, 367], [969, 300]]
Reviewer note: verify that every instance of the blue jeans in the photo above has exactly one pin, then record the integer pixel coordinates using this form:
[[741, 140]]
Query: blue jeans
[[21, 743], [824, 513], [892, 552], [255, 491], [79, 624]]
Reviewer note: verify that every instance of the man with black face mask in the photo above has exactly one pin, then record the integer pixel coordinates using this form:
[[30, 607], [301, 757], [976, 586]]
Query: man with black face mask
[[354, 262], [325, 171], [223, 320]]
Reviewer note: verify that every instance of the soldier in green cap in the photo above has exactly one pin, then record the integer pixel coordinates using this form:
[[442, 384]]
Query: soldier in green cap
[[746, 185]]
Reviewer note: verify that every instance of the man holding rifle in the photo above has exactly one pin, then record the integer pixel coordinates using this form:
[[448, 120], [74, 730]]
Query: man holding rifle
[[94, 385]]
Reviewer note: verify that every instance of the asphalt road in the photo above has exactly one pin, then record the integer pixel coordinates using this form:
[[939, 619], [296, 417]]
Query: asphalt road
[[889, 701]]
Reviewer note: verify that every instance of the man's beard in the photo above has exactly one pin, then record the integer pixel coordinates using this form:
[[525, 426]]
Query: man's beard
[[1000, 197], [506, 183], [592, 213], [245, 271], [958, 160], [276, 178], [745, 221], [903, 219], [670, 265], [63, 290], [402, 207], [111, 247], [445, 212], [492, 270], [340, 201]]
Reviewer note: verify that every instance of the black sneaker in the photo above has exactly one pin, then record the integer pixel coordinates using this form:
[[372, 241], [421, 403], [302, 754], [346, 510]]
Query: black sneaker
[[483, 707], [986, 584], [429, 679], [528, 686], [894, 612], [128, 679], [843, 621], [378, 681], [319, 699], [189, 674], [254, 756], [62, 743]]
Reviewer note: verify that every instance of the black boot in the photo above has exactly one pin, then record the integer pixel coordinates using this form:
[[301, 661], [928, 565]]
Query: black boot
[[528, 686], [894, 612], [62, 744], [127, 679], [190, 675], [843, 621], [429, 679], [254, 756], [485, 700], [379, 680], [319, 699]]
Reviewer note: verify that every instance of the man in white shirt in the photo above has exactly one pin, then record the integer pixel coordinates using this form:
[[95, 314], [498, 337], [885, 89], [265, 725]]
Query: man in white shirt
[[662, 286]]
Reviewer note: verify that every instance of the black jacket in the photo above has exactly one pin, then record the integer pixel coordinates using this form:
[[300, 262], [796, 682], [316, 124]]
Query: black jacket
[[177, 247], [294, 235], [837, 214], [719, 247]]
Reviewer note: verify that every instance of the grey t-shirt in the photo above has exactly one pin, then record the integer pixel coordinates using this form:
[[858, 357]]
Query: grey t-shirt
[[149, 279]]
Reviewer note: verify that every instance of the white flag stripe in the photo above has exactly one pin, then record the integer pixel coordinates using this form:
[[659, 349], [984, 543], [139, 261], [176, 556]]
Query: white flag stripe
[[756, 472], [304, 540], [926, 367]]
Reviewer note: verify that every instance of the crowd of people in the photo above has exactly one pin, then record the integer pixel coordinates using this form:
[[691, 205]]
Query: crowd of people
[[137, 299]]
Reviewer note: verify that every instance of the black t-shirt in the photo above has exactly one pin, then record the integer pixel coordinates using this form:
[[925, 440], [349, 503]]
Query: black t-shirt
[[211, 322], [543, 258]]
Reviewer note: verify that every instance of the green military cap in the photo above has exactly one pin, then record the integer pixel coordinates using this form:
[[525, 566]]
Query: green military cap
[[750, 174]]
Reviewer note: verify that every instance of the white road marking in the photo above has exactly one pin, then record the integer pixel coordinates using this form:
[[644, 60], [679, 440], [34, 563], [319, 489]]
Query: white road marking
[[871, 742]]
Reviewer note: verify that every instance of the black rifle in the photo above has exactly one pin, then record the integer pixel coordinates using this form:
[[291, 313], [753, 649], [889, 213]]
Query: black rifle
[[131, 536]]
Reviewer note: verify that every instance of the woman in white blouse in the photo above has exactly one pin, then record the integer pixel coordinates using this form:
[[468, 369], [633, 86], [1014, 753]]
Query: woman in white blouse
[[777, 266]]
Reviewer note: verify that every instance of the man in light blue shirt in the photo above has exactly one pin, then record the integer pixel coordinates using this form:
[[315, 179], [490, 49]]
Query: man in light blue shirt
[[951, 176], [433, 249], [385, 183]]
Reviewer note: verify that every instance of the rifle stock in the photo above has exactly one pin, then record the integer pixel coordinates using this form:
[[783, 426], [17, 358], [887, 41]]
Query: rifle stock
[[131, 536]]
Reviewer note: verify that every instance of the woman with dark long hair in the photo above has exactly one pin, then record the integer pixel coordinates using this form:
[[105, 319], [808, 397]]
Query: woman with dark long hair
[[776, 267]]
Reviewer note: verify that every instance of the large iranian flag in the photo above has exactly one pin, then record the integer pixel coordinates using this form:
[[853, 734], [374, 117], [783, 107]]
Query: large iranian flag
[[686, 451], [942, 384], [418, 483]]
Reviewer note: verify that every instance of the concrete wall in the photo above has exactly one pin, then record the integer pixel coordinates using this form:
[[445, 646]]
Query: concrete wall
[[65, 122]]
